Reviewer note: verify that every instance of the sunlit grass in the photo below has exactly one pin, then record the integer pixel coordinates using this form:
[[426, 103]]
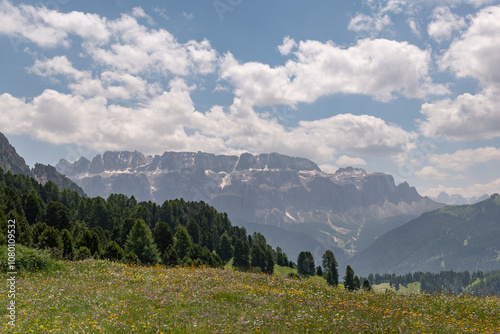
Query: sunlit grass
[[97, 296]]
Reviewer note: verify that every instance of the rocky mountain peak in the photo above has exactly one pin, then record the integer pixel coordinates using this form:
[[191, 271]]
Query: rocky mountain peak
[[10, 160], [274, 161]]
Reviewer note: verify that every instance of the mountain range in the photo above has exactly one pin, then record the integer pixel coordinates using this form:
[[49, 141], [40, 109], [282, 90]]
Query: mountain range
[[11, 161], [288, 199], [456, 199]]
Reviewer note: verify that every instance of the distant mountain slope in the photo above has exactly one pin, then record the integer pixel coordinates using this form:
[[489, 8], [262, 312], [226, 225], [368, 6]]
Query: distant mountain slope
[[10, 160], [43, 174], [455, 238], [457, 199], [344, 211]]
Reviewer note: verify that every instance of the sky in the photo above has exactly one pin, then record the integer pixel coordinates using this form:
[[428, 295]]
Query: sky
[[408, 88]]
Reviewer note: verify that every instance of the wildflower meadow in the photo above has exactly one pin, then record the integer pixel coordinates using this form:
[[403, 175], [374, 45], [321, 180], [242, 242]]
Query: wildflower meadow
[[96, 296]]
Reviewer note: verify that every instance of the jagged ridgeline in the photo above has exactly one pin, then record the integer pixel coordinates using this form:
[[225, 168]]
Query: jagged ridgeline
[[120, 228]]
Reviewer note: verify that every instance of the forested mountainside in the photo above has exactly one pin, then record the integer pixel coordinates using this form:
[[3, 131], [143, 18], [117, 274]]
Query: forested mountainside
[[458, 238]]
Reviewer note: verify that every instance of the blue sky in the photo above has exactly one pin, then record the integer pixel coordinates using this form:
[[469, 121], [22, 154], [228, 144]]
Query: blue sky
[[409, 88]]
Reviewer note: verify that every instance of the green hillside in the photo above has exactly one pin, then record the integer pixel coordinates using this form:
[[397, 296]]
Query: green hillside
[[458, 238], [95, 296]]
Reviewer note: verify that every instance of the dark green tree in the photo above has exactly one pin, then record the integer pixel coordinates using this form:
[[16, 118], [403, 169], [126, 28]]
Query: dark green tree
[[182, 242], [257, 257], [163, 236], [349, 283], [50, 238], [366, 285], [241, 255], [58, 215], [193, 229], [269, 267], [170, 257], [68, 244], [330, 263], [329, 278], [91, 240], [140, 241], [225, 248], [50, 192], [319, 271], [34, 207], [113, 252], [305, 264]]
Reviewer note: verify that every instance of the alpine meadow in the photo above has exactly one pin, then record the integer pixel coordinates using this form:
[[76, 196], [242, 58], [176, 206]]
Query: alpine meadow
[[236, 166]]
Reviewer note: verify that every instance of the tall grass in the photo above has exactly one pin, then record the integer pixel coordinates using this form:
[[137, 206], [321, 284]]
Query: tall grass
[[102, 297]]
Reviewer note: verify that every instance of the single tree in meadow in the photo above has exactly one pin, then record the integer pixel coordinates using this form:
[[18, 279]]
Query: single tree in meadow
[[366, 285], [330, 264], [349, 282]]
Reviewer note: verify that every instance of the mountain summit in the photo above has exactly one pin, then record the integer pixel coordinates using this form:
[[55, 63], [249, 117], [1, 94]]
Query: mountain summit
[[288, 199]]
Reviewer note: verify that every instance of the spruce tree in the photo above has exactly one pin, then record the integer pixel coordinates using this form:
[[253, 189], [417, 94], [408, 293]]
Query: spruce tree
[[163, 236], [68, 245], [50, 238], [330, 263], [140, 241], [225, 248], [349, 283], [193, 229], [113, 252], [182, 242], [305, 264], [366, 285]]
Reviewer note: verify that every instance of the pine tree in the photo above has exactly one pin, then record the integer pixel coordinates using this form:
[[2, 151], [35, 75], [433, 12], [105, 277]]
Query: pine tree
[[349, 283], [68, 245], [58, 215], [91, 240], [140, 241], [170, 257], [366, 285], [193, 229], [330, 263], [113, 252], [319, 271], [257, 257], [241, 253], [182, 242], [34, 207], [305, 264], [329, 278], [225, 248], [163, 236], [50, 238]]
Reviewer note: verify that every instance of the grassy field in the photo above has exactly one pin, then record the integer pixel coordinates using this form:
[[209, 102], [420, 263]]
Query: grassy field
[[102, 297]]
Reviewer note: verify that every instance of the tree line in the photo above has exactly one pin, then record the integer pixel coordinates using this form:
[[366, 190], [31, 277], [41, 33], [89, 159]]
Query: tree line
[[177, 232], [476, 283]]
